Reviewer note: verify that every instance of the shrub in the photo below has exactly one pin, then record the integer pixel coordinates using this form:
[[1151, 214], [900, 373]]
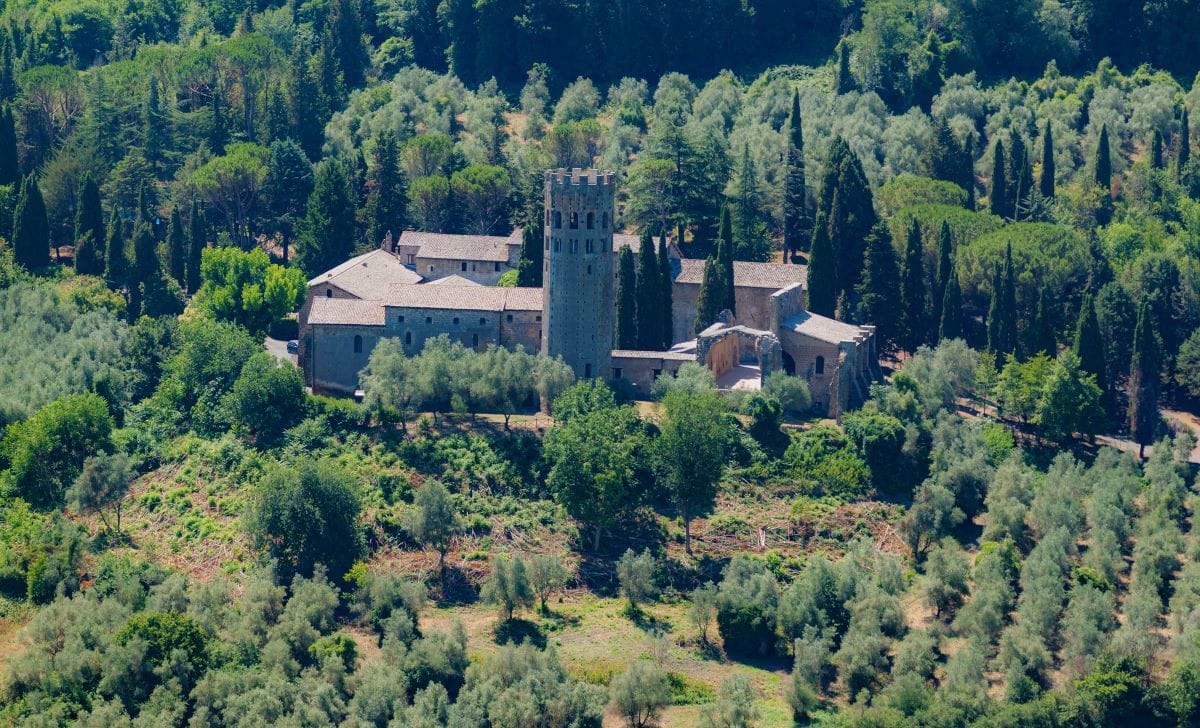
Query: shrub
[[747, 601]]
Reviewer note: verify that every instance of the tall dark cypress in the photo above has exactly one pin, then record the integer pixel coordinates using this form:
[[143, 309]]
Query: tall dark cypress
[[950, 325], [1185, 145], [795, 196], [945, 266], [345, 28], [197, 241], [879, 302], [995, 318], [10, 165], [89, 230], [387, 197], [1041, 337], [666, 294], [145, 273], [843, 81], [1156, 150], [822, 275], [177, 248], [31, 229], [1143, 382], [116, 262], [725, 258], [914, 326], [649, 324], [626, 335], [1020, 176], [847, 203], [712, 295], [155, 128], [968, 170], [1103, 165], [529, 267], [1089, 342], [999, 196], [1047, 179], [1009, 304]]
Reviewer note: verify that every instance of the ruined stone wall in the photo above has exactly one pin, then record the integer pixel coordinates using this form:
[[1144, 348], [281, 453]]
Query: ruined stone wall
[[642, 371]]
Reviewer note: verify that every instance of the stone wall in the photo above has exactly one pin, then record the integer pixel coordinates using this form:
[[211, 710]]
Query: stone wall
[[485, 272], [805, 352], [333, 363], [642, 368], [754, 308]]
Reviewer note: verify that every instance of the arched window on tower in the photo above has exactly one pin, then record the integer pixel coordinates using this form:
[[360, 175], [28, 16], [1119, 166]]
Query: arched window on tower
[[591, 221], [357, 344], [820, 366], [557, 219], [605, 219], [574, 220], [547, 218]]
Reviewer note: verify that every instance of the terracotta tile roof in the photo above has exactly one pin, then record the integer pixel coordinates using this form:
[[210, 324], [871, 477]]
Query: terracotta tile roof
[[747, 275], [368, 276], [464, 298], [824, 329], [346, 311], [664, 355], [442, 246], [454, 280]]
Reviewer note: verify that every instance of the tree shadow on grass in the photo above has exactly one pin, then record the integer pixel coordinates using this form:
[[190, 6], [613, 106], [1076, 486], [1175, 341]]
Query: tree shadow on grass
[[519, 631]]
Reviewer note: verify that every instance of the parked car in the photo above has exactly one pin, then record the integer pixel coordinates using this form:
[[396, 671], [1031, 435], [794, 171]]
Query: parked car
[[293, 347]]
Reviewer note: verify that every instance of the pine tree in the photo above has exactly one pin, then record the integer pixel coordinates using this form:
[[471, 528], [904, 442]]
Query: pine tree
[[116, 263], [822, 275], [999, 198], [712, 295], [387, 198], [1047, 178], [626, 300], [1185, 145], [795, 195], [529, 267], [197, 242], [843, 81], [947, 159], [666, 296], [177, 248], [914, 326], [950, 325], [156, 134], [750, 240], [10, 166], [879, 303], [31, 229], [1143, 382], [1103, 166], [306, 106], [1042, 339], [273, 114], [725, 258], [1156, 150], [649, 298], [89, 230], [1089, 343], [945, 266], [345, 28], [326, 238]]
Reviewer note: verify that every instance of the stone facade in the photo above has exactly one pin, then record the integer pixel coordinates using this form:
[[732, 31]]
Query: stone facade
[[577, 294]]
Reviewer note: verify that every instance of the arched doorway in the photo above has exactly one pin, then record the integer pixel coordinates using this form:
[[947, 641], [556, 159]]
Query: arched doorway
[[789, 364]]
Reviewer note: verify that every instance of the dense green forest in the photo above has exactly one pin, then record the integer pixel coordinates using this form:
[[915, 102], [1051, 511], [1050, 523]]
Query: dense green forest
[[1002, 535]]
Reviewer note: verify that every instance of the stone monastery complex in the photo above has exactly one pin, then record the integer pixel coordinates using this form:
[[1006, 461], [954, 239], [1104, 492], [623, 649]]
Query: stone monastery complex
[[426, 284]]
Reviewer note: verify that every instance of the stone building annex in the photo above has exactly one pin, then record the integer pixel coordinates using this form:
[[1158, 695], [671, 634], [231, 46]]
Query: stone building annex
[[425, 284]]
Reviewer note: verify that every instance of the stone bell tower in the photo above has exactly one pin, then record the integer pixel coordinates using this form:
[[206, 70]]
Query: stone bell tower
[[578, 302]]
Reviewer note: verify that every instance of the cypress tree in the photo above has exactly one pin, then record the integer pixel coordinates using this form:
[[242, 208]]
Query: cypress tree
[[197, 242], [1103, 166], [626, 300], [177, 248], [950, 325], [388, 196], [877, 292], [843, 82], [995, 318], [8, 86], [848, 204], [1143, 382], [1041, 335], [945, 267], [306, 107], [529, 267], [10, 166], [145, 274], [155, 129], [914, 326], [344, 28], [666, 296], [968, 170], [116, 263], [1020, 175], [31, 229], [324, 239], [649, 325], [843, 311], [89, 230], [822, 276], [1156, 150], [712, 296], [795, 202], [725, 258], [218, 133], [1009, 304], [1089, 343], [999, 198], [1185, 145], [1047, 178]]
